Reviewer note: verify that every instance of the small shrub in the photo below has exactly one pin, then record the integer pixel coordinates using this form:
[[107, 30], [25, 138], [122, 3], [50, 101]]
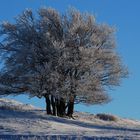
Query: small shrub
[[106, 117]]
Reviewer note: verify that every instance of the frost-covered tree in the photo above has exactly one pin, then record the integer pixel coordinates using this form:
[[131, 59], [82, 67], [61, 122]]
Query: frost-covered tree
[[66, 58]]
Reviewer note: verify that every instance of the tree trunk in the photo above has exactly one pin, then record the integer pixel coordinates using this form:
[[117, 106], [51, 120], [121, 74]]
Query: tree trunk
[[57, 107], [62, 107], [48, 104], [70, 107], [53, 105]]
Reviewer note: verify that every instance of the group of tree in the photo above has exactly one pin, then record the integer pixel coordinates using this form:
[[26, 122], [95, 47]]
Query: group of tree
[[65, 58]]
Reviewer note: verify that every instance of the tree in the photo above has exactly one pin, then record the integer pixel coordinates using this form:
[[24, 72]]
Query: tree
[[66, 58]]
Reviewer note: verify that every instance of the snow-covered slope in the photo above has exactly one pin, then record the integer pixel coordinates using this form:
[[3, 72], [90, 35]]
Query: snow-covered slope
[[19, 121], [15, 105]]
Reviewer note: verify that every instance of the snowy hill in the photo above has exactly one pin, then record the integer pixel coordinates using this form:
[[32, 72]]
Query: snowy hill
[[20, 121]]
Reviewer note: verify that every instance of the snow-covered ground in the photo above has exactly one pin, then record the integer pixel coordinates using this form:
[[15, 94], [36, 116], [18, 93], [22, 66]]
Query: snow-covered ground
[[20, 121]]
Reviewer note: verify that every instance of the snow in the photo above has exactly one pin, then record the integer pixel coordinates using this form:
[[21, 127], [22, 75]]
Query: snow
[[26, 121], [15, 105]]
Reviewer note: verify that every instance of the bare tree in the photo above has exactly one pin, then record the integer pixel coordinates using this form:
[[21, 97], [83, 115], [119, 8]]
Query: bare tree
[[65, 58]]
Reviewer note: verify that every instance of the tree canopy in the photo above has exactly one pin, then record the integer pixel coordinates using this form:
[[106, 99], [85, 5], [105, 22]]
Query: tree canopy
[[65, 58]]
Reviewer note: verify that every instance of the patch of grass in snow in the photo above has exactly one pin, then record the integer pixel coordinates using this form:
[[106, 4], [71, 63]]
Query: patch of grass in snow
[[4, 107], [106, 117], [56, 137]]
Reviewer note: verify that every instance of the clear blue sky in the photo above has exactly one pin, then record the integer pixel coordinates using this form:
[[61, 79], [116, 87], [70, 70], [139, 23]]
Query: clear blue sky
[[125, 16]]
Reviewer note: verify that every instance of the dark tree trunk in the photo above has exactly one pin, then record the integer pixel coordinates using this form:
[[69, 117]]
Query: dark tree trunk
[[53, 105], [62, 107], [72, 90], [70, 107], [48, 104], [57, 107]]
